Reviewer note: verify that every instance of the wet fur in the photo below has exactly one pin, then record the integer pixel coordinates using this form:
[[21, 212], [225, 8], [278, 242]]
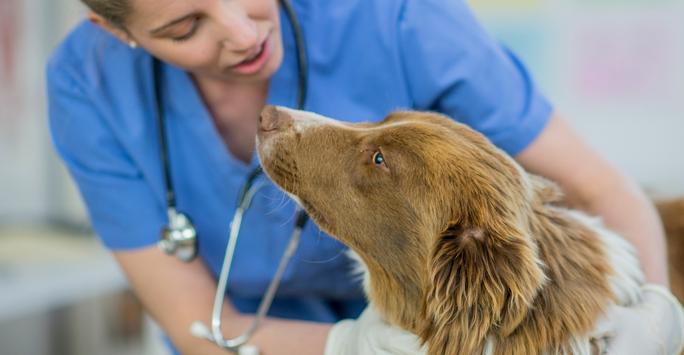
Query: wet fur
[[460, 245]]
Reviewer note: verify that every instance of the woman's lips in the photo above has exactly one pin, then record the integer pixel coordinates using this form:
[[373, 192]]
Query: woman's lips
[[255, 64]]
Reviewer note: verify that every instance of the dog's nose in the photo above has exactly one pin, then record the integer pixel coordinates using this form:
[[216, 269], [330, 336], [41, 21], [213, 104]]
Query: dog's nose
[[272, 119]]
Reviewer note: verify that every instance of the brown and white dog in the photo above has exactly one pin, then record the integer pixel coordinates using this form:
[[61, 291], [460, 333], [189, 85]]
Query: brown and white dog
[[460, 245]]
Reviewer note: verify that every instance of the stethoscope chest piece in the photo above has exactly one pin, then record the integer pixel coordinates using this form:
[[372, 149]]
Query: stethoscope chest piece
[[179, 237]]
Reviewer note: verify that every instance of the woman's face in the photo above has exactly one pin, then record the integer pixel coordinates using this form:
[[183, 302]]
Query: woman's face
[[224, 39]]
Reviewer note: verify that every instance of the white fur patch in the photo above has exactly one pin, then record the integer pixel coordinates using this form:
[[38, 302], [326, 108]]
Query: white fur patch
[[303, 120], [265, 148], [360, 270]]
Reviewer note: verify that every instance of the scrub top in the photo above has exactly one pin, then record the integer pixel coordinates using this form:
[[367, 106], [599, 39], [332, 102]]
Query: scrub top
[[366, 59]]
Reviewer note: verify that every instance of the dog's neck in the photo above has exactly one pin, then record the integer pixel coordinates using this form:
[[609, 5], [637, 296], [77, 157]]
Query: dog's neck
[[397, 292]]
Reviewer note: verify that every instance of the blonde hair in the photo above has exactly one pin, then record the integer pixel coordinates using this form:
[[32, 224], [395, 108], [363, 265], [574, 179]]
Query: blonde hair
[[114, 11]]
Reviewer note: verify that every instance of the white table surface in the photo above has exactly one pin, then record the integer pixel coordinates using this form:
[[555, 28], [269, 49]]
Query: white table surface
[[42, 269]]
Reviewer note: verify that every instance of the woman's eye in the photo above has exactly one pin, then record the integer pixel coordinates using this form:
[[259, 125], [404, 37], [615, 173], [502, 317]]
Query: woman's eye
[[378, 158], [188, 34]]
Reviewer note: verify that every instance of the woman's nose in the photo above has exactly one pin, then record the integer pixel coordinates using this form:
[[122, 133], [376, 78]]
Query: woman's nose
[[239, 30]]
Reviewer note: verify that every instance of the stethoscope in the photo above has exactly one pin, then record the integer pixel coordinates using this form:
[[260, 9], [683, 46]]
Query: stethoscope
[[179, 236]]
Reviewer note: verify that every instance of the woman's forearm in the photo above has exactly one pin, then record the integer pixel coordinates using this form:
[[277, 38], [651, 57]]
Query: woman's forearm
[[626, 209]]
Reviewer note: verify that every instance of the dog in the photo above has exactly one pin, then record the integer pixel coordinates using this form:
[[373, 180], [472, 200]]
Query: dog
[[459, 244]]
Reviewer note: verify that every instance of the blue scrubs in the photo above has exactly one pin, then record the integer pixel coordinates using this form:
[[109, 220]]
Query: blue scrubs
[[366, 59]]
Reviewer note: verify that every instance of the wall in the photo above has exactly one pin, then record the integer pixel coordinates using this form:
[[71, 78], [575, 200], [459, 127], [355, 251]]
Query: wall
[[613, 67], [33, 185]]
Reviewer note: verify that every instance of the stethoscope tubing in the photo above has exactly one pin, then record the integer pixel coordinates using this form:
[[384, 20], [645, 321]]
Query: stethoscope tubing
[[219, 299], [249, 189], [216, 335]]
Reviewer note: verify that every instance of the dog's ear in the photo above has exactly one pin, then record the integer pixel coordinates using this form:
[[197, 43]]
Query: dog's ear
[[482, 279]]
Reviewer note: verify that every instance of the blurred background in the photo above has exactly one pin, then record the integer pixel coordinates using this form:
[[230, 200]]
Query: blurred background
[[615, 68]]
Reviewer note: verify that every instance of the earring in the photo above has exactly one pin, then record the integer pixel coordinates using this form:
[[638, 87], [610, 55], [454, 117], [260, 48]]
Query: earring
[[133, 44]]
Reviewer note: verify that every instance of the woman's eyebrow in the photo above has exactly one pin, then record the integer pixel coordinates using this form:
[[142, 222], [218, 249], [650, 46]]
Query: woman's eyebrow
[[172, 23]]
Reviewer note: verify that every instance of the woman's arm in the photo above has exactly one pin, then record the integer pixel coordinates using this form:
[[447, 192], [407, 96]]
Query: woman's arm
[[594, 185], [176, 294]]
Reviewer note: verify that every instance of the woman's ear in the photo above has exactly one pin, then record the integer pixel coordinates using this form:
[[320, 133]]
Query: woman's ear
[[482, 279], [116, 31]]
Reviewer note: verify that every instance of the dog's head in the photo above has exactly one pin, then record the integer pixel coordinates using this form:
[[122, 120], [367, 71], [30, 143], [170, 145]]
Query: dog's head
[[436, 212]]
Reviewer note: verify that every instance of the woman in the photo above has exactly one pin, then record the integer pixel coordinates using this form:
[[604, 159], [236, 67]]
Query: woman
[[222, 61]]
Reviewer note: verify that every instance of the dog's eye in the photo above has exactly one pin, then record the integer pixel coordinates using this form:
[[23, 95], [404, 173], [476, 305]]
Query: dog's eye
[[378, 158]]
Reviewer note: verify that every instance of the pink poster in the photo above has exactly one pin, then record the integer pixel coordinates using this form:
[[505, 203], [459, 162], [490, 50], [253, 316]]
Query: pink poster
[[632, 62]]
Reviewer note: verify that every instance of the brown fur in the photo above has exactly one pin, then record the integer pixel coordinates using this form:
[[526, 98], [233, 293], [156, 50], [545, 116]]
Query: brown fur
[[672, 214], [461, 245]]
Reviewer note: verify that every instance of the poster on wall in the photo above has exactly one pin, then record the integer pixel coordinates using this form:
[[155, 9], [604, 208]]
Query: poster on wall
[[627, 59]]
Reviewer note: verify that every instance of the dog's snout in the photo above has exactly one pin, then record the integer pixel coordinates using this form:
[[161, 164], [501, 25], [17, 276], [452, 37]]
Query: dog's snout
[[273, 119]]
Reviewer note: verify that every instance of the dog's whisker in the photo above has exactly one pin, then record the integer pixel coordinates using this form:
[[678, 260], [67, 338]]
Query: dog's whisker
[[337, 255], [278, 205], [289, 220]]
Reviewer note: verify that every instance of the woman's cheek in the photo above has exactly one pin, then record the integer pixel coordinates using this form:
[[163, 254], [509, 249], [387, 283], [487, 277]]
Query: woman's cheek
[[199, 57]]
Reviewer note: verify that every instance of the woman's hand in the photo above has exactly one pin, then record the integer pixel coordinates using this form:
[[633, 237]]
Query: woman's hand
[[370, 335], [654, 326]]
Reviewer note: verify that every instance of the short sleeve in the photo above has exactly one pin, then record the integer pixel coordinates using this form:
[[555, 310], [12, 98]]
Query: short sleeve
[[453, 66], [121, 204]]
